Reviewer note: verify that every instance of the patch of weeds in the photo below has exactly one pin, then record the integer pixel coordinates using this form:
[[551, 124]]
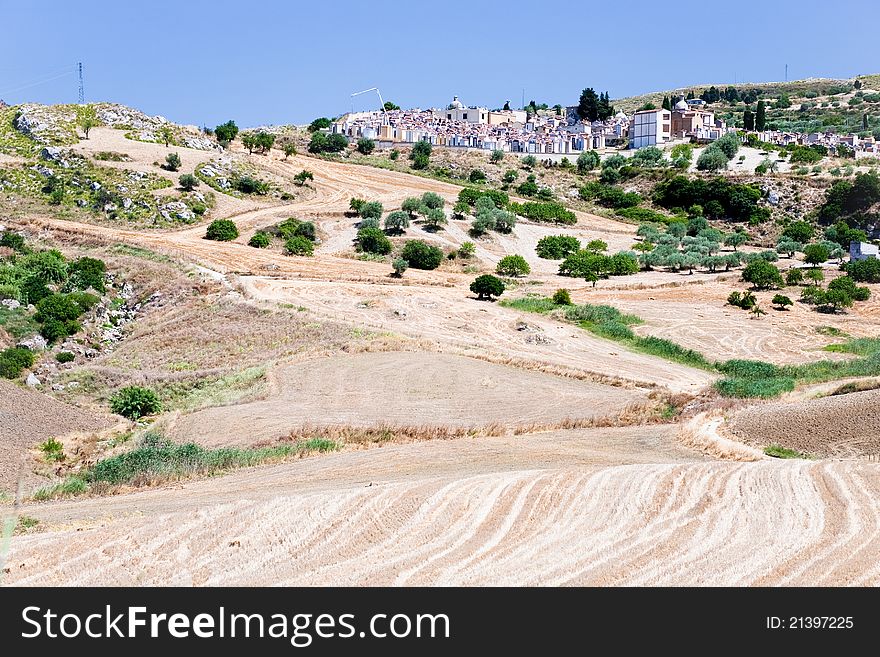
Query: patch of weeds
[[780, 452], [52, 450]]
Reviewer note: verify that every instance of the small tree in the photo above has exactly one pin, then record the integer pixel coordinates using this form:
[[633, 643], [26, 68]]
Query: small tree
[[816, 276], [87, 119], [421, 154], [303, 176], [513, 265], [289, 149], [816, 254], [794, 276], [434, 218], [188, 182], [762, 275], [397, 222], [597, 246], [477, 176], [411, 206], [529, 161], [496, 156], [487, 286], [757, 311], [789, 247], [736, 239], [226, 132], [399, 265], [366, 146], [134, 402], [781, 302], [371, 210], [433, 201], [509, 176], [172, 162], [222, 230], [165, 134]]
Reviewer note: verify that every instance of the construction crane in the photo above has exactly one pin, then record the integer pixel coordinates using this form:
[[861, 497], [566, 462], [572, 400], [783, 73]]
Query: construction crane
[[376, 89]]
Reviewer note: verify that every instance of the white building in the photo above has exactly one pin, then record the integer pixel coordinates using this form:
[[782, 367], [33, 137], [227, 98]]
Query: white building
[[650, 127], [863, 251], [457, 111]]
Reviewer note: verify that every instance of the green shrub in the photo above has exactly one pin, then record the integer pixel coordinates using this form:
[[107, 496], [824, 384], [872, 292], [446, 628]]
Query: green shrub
[[188, 182], [562, 297], [299, 246], [513, 265], [477, 176], [13, 241], [172, 161], [134, 402], [421, 255], [222, 230], [52, 450], [373, 240], [85, 273], [399, 266], [64, 357], [260, 240], [14, 360], [251, 185], [366, 146], [397, 222]]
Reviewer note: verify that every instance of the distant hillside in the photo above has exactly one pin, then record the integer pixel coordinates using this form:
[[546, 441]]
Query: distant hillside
[[812, 105], [819, 86]]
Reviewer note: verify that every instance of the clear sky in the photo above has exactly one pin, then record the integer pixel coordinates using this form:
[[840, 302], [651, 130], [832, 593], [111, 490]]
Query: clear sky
[[273, 62]]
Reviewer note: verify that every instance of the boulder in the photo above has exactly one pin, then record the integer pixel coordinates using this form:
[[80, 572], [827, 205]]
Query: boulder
[[32, 381], [12, 304], [34, 343]]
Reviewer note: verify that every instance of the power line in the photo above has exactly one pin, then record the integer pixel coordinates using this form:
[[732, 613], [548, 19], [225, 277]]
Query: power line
[[82, 95], [49, 77]]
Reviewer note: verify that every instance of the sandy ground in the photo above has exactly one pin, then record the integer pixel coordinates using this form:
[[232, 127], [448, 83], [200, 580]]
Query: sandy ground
[[27, 418], [403, 389], [546, 509], [836, 426]]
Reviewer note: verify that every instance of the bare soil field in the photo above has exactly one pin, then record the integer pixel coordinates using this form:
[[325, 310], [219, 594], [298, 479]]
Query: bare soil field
[[425, 515], [839, 426], [402, 388], [27, 418], [698, 317]]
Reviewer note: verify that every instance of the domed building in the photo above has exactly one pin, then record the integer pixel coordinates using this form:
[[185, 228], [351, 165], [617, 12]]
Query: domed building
[[458, 111]]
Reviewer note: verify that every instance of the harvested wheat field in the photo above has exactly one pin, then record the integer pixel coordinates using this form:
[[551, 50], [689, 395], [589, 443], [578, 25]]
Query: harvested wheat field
[[404, 389], [27, 418], [662, 523], [835, 426]]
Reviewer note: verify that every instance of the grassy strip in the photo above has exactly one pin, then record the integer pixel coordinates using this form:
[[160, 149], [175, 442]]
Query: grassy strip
[[609, 323], [743, 378], [780, 452], [158, 460]]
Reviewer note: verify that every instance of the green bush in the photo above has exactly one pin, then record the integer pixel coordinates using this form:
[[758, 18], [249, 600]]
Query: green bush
[[222, 230], [251, 185], [397, 222], [260, 240], [188, 182], [64, 357], [421, 255], [373, 240], [399, 265], [299, 246], [14, 360], [513, 265], [562, 297], [85, 273], [134, 402], [366, 146], [487, 286], [13, 241], [172, 161], [477, 176], [545, 212], [864, 271]]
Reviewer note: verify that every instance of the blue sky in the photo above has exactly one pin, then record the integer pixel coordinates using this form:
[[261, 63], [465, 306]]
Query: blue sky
[[272, 62]]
